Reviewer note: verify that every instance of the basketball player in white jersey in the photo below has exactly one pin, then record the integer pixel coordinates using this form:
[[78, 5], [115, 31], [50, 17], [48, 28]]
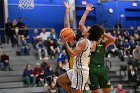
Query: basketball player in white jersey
[[73, 81]]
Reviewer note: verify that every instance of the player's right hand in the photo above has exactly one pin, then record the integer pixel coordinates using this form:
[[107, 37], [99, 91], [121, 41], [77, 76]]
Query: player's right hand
[[89, 7]]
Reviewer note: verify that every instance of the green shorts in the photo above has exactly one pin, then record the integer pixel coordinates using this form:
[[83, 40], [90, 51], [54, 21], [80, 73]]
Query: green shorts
[[99, 78]]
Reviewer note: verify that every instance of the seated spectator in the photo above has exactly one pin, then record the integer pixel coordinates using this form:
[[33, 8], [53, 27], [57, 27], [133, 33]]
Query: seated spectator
[[62, 57], [34, 37], [126, 47], [50, 74], [53, 49], [112, 50], [42, 52], [113, 90], [120, 89], [53, 35], [66, 65], [132, 74], [59, 71], [1, 65], [25, 49], [136, 55], [28, 77], [132, 44], [39, 73], [126, 35], [118, 40], [44, 66], [44, 35], [5, 60], [137, 39], [53, 88]]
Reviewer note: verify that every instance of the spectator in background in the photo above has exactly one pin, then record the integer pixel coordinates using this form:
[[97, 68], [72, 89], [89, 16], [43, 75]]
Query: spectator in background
[[34, 37], [25, 48], [20, 23], [132, 44], [52, 49], [137, 39], [59, 71], [53, 35], [118, 40], [66, 65], [50, 74], [44, 35], [118, 25], [39, 73], [21, 26], [132, 74], [42, 52], [28, 77], [126, 47], [113, 90], [44, 66], [17, 36], [5, 60], [9, 32], [53, 88], [62, 57], [114, 33], [126, 35], [14, 24], [136, 53], [112, 50], [25, 33], [120, 89]]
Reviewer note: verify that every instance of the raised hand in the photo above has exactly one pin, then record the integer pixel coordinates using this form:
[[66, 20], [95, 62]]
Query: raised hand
[[89, 7], [67, 5]]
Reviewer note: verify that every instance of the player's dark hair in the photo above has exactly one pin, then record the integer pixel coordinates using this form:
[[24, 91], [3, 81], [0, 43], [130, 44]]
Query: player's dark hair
[[96, 31]]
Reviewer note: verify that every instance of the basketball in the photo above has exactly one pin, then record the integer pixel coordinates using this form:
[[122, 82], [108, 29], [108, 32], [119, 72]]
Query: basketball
[[67, 33]]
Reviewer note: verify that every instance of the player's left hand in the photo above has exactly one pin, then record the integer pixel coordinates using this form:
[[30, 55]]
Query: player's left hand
[[64, 40]]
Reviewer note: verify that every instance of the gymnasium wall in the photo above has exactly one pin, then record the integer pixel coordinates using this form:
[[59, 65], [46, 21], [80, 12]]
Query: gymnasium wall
[[1, 21], [100, 14], [41, 16], [131, 13], [52, 16]]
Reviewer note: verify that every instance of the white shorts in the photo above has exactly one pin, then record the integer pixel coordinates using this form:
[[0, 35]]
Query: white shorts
[[78, 78]]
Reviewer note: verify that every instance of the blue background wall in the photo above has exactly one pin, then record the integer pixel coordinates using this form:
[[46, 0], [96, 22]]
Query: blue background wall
[[1, 21], [41, 16], [52, 16]]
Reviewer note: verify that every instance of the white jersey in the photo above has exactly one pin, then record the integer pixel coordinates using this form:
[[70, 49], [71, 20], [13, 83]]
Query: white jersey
[[80, 73], [81, 61]]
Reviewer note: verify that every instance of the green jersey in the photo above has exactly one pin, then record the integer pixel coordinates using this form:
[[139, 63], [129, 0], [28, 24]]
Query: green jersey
[[97, 58]]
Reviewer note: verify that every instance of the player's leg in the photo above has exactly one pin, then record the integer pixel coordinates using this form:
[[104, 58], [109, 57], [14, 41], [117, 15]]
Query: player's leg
[[106, 90], [94, 84], [105, 83], [95, 91], [64, 82]]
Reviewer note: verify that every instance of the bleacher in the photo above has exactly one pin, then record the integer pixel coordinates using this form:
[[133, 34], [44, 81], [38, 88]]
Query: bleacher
[[11, 81]]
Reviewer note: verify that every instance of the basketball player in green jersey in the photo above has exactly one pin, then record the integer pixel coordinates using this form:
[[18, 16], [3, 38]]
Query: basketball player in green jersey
[[98, 74]]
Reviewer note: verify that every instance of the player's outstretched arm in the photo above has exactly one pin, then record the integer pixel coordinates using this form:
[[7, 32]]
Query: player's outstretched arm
[[82, 26], [110, 39], [66, 18]]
